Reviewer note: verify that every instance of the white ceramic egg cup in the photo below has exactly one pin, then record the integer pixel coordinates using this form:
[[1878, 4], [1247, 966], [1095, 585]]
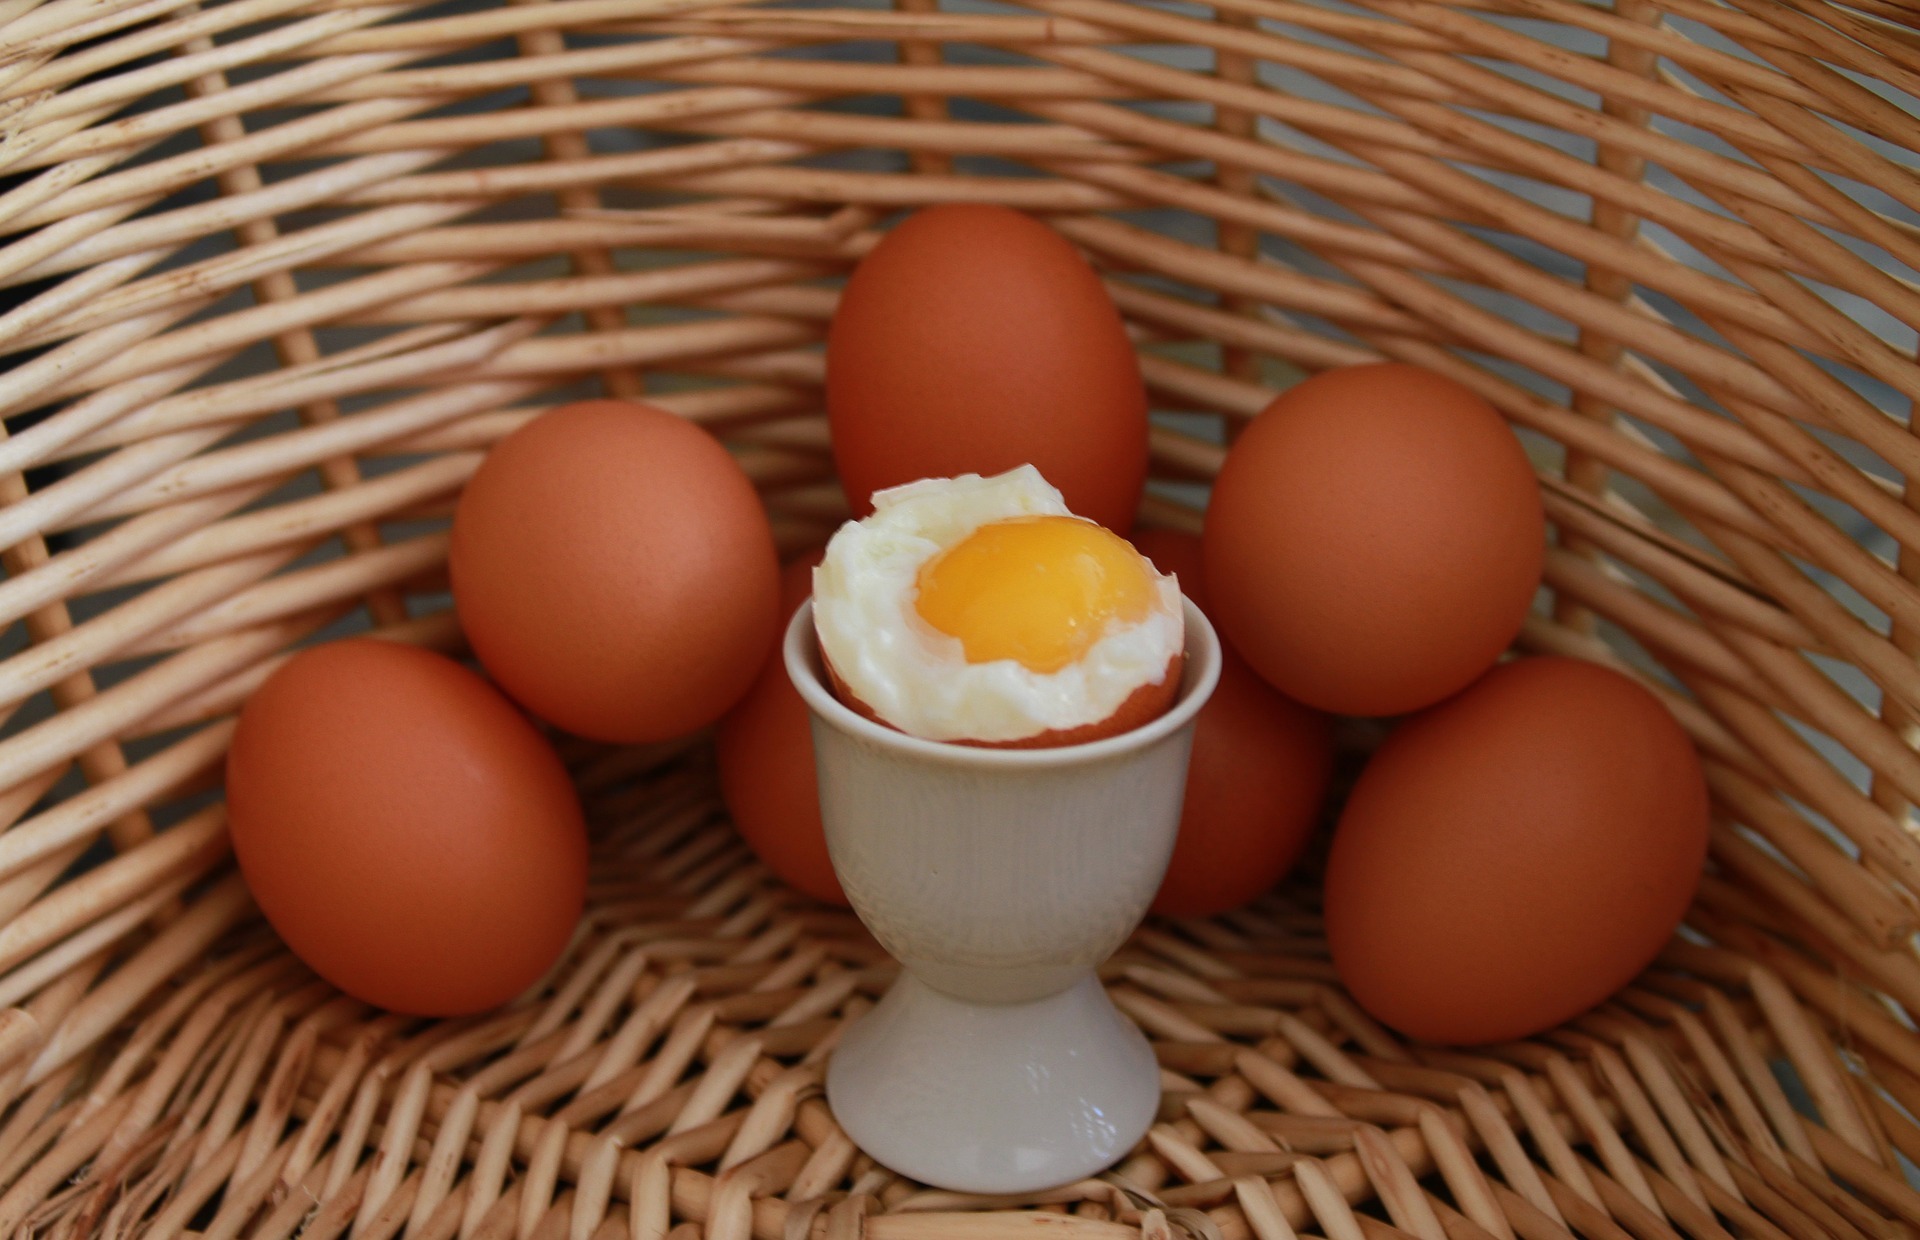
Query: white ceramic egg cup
[[1000, 879]]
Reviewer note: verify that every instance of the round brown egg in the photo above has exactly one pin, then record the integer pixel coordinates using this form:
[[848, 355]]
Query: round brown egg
[[764, 749], [1374, 540], [614, 569], [1515, 855], [1258, 775], [973, 339], [404, 828]]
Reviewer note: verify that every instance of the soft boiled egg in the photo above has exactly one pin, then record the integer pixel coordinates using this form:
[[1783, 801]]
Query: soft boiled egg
[[981, 611]]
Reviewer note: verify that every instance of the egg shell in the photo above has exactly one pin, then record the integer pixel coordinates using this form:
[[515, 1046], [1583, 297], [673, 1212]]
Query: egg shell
[[614, 570], [764, 750], [1141, 707], [1256, 781], [1374, 539], [1515, 855], [973, 339], [405, 829]]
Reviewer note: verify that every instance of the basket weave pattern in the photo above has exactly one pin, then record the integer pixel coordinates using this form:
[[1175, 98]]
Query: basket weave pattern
[[282, 270]]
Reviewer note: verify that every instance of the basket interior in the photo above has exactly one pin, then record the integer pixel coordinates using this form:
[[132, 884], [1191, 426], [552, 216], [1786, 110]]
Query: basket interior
[[274, 274]]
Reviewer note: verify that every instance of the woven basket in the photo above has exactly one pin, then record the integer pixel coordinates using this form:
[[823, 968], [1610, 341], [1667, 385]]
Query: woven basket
[[282, 270]]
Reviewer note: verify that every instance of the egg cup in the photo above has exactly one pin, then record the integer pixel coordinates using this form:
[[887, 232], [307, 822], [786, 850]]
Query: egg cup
[[1000, 879]]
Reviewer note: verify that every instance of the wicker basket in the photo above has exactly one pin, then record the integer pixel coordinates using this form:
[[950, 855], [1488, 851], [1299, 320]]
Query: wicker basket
[[281, 271]]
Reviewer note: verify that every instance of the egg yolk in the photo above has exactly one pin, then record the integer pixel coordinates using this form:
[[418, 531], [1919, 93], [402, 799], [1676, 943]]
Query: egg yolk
[[1038, 590]]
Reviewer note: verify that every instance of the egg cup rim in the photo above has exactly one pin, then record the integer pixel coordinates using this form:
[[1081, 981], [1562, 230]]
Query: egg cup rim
[[800, 650]]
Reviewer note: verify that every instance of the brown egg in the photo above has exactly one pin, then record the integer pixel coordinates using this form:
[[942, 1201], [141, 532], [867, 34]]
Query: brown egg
[[973, 339], [404, 828], [1374, 540], [765, 752], [1259, 773], [1179, 553], [615, 572], [1516, 854]]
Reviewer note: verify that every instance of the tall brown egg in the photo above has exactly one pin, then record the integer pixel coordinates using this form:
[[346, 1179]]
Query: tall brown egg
[[973, 339]]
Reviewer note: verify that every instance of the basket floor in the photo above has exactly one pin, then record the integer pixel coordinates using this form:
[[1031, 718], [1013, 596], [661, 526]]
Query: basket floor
[[666, 1082]]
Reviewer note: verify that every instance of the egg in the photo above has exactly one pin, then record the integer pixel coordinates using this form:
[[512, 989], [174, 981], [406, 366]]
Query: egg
[[614, 570], [973, 339], [1177, 554], [764, 749], [982, 611], [1513, 856], [1374, 540], [1258, 776], [406, 831]]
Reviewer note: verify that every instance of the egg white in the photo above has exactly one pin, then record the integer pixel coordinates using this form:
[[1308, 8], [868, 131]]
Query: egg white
[[917, 678]]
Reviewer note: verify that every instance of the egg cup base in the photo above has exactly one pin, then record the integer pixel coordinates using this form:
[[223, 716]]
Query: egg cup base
[[994, 1098]]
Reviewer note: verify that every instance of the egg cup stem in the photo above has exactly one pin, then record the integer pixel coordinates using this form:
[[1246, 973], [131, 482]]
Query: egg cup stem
[[1000, 879]]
